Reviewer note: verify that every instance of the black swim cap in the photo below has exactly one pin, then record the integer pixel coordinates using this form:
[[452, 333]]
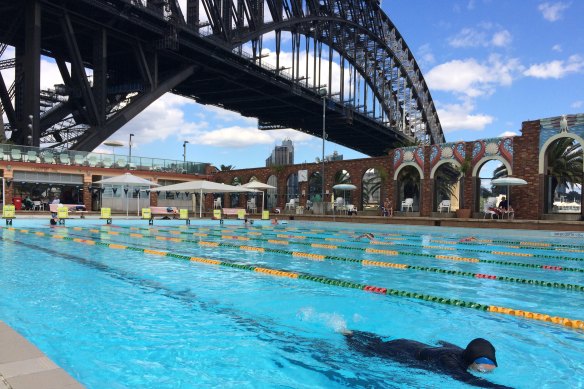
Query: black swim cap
[[478, 348]]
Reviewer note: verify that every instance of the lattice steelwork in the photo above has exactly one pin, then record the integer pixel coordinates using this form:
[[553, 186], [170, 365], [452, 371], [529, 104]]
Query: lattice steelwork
[[274, 60]]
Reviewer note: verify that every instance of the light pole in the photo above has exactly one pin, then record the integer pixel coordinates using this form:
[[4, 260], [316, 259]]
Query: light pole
[[322, 92], [130, 149], [185, 151]]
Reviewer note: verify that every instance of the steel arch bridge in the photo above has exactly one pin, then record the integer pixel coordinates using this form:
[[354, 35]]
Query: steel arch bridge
[[288, 63]]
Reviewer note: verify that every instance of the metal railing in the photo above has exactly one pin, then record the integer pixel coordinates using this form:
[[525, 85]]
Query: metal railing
[[14, 153]]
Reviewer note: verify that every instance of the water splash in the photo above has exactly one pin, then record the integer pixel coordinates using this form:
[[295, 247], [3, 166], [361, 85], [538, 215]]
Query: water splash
[[333, 321]]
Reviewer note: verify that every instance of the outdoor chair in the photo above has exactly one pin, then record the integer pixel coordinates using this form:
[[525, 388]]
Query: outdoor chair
[[251, 206], [407, 204], [15, 155], [31, 156], [290, 205], [489, 209], [444, 204], [217, 203]]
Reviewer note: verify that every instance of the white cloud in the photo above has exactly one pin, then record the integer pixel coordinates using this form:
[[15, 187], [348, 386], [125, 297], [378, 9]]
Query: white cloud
[[556, 69], [241, 137], [501, 38], [552, 11], [470, 78], [507, 133], [424, 56], [456, 117], [557, 48], [577, 104], [484, 35]]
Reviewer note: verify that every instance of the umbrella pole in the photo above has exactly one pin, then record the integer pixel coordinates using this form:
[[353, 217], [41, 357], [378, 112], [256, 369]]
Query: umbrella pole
[[201, 204]]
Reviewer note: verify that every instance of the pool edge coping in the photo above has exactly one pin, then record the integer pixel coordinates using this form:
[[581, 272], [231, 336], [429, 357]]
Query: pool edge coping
[[24, 366]]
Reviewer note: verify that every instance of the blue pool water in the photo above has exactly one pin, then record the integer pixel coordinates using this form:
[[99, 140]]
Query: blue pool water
[[120, 318]]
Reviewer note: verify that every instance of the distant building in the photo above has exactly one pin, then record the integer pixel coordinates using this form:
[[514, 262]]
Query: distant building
[[282, 155], [335, 156]]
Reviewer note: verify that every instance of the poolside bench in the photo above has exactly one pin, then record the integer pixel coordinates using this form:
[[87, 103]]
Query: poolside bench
[[238, 212], [149, 213], [54, 208]]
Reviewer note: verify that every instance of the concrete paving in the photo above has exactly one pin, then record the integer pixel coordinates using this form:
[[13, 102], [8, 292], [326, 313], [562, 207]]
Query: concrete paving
[[23, 366]]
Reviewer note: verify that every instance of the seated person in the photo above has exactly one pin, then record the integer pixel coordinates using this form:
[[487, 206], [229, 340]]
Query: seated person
[[28, 204], [387, 209], [504, 204], [479, 356]]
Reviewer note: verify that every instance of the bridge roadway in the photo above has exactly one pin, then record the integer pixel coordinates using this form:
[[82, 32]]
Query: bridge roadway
[[141, 60]]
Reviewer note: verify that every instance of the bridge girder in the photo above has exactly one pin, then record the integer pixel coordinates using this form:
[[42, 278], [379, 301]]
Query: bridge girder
[[136, 50]]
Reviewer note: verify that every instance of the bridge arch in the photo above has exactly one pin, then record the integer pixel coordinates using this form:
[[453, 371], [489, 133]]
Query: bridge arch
[[364, 36]]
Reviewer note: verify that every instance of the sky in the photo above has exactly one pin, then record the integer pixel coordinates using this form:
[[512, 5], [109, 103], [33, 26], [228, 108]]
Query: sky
[[489, 65]]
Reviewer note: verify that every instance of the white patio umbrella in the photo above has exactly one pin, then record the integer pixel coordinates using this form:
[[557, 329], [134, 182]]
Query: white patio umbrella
[[508, 181], [344, 187], [201, 186], [260, 186], [127, 179]]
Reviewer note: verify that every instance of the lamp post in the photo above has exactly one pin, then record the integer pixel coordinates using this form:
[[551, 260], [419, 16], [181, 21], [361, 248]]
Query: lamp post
[[185, 151], [323, 92], [130, 149]]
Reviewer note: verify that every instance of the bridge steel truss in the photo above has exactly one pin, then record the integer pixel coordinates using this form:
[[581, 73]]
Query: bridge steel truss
[[275, 60]]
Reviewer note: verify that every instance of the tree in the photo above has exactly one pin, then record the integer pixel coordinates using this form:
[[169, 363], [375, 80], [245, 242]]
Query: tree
[[445, 179], [564, 163], [227, 167]]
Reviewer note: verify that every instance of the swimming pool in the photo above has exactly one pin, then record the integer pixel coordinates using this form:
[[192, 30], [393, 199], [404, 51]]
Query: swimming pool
[[171, 306]]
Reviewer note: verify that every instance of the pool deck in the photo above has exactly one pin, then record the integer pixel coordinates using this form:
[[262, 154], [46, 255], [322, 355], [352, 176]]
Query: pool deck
[[400, 218], [23, 366]]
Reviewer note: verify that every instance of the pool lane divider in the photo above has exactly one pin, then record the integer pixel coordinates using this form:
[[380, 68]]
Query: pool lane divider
[[363, 262], [567, 322], [373, 242], [367, 250]]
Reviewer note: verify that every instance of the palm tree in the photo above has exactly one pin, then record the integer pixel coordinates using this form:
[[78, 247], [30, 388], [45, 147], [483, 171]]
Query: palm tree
[[227, 167], [564, 163], [446, 178]]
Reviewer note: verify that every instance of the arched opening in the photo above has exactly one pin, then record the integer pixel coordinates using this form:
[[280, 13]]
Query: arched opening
[[371, 190], [292, 187], [235, 196], [563, 176], [447, 186], [254, 197], [342, 177], [487, 193], [408, 181], [315, 187], [271, 194]]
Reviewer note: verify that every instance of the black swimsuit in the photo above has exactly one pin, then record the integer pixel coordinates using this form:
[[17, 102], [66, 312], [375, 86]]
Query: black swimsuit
[[446, 359]]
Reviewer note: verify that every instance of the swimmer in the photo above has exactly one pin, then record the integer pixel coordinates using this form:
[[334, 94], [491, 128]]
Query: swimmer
[[468, 239], [275, 221], [479, 356], [367, 235]]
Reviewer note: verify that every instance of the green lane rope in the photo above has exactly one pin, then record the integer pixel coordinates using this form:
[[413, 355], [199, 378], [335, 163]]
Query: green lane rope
[[567, 322], [363, 262]]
